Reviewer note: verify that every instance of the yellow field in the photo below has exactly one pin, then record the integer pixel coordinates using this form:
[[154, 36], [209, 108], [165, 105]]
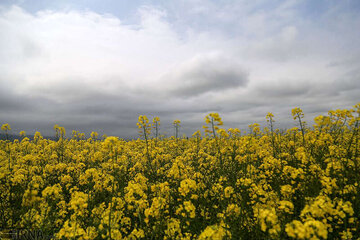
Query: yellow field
[[298, 184]]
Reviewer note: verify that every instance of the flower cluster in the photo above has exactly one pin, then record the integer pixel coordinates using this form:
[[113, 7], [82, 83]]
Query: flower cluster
[[303, 183]]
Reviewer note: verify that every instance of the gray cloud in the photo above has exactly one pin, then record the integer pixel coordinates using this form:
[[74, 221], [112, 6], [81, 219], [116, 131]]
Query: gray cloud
[[205, 74], [284, 88]]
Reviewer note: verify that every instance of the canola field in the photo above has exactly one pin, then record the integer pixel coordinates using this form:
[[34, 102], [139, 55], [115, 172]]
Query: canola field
[[300, 183]]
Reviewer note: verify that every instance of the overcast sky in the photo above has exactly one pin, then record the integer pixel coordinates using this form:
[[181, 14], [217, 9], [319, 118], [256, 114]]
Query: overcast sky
[[98, 65]]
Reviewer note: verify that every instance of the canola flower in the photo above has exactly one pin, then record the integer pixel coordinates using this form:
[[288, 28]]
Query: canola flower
[[303, 183], [176, 124], [5, 127], [214, 120], [156, 126]]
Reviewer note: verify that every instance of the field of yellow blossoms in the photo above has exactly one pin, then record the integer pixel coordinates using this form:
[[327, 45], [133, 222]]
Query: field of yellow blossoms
[[302, 183]]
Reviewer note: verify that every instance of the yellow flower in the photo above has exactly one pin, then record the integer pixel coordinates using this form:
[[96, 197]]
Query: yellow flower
[[186, 186], [297, 112], [218, 231], [190, 208], [6, 127], [228, 192]]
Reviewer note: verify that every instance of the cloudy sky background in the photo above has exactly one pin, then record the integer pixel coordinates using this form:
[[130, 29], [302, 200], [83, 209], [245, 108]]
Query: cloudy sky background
[[98, 65]]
